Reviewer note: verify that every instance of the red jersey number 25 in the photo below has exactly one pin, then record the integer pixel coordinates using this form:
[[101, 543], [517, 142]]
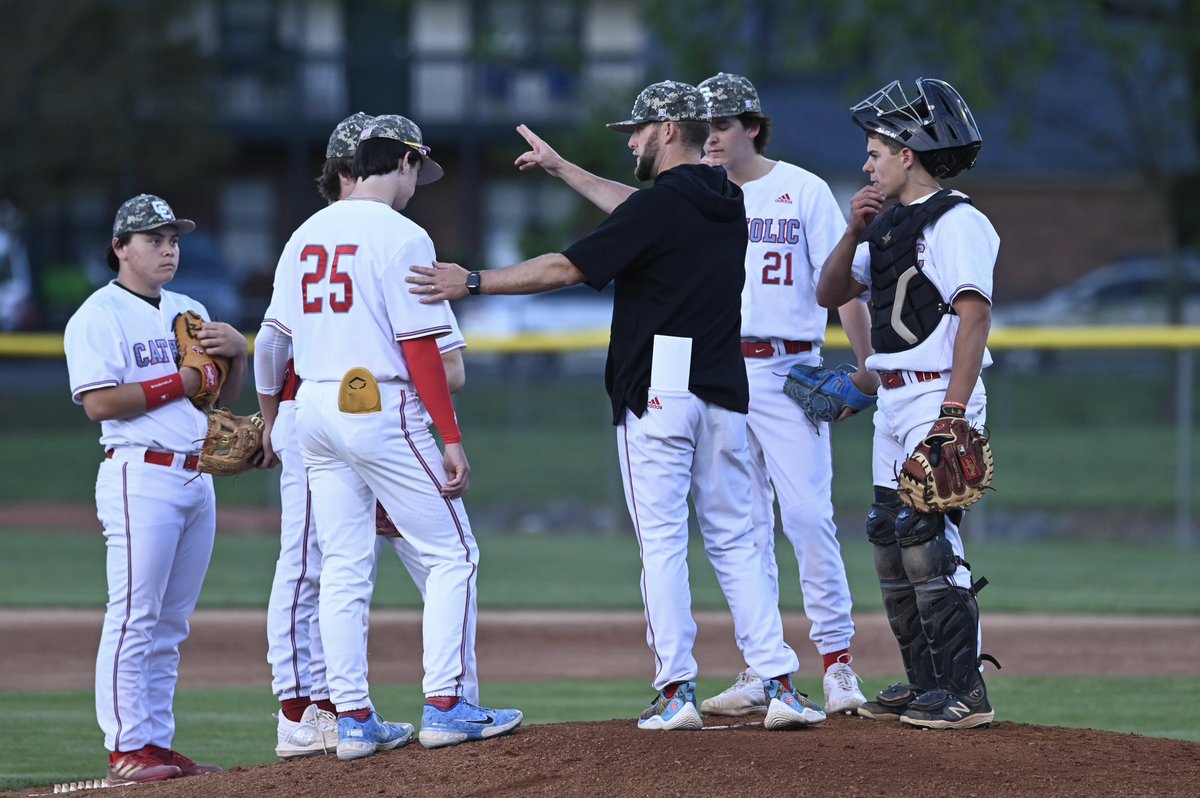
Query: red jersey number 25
[[314, 287]]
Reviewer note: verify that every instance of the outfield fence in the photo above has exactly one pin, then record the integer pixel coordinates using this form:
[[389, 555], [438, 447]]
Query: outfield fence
[[1093, 418]]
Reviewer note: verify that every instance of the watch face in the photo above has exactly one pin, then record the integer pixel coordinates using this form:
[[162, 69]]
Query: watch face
[[473, 280]]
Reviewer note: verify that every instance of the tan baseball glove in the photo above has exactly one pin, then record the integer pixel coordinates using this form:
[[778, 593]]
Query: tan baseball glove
[[190, 352], [232, 445], [950, 470]]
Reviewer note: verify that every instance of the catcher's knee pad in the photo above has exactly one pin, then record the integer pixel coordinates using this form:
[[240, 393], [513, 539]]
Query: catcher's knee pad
[[899, 596], [881, 521], [925, 551], [950, 618]]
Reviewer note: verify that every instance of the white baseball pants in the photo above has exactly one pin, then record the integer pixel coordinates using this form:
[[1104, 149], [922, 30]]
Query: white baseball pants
[[392, 455], [159, 525], [687, 444]]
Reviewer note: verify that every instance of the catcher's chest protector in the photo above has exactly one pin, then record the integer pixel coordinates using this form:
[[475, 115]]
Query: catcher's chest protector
[[905, 305]]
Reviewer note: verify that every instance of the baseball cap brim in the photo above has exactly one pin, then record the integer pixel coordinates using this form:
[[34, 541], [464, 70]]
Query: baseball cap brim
[[184, 226], [431, 171], [628, 126]]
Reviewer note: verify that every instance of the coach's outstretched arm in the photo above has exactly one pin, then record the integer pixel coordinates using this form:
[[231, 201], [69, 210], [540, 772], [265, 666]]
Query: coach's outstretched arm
[[604, 194], [445, 281]]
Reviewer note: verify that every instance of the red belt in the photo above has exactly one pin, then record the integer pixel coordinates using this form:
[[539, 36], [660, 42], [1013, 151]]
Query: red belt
[[894, 379], [291, 382], [765, 348], [165, 459]]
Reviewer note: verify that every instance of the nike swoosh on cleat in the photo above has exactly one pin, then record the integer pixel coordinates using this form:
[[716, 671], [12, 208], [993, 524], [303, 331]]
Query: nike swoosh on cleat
[[486, 720]]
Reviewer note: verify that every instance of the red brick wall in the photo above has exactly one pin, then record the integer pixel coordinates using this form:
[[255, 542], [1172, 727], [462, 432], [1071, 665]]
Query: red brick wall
[[1051, 234]]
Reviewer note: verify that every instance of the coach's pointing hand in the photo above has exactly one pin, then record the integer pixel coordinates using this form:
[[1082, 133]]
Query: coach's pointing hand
[[438, 283], [540, 154]]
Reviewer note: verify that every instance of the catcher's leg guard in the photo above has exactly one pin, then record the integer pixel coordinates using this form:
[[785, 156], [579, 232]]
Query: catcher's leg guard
[[899, 595], [949, 613]]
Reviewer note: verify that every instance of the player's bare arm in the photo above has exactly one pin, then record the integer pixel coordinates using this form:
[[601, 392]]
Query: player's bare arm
[[458, 471], [604, 194], [129, 400], [975, 322], [456, 371], [269, 407], [836, 286], [856, 321], [444, 281]]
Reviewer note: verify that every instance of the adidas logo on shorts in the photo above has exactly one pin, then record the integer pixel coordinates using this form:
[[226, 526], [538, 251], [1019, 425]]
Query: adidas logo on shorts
[[654, 404]]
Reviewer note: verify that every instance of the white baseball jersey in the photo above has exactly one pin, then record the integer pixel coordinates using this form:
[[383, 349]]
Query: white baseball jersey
[[957, 253], [794, 223], [360, 285], [159, 518], [116, 337]]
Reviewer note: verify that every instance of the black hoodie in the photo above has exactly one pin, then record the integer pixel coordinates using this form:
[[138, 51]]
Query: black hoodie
[[677, 252]]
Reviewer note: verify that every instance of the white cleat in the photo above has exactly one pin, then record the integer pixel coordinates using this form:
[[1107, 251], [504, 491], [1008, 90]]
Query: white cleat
[[315, 733], [841, 689], [744, 697]]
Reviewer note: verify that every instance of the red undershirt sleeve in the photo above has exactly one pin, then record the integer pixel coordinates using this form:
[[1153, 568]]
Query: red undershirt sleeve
[[429, 376]]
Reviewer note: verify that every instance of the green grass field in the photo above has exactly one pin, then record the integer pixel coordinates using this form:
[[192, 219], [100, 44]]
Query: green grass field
[[544, 445], [1062, 443]]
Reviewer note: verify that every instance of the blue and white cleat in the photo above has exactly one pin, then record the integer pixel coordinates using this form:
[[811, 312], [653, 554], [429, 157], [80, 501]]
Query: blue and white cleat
[[357, 739], [788, 708], [677, 713], [465, 722]]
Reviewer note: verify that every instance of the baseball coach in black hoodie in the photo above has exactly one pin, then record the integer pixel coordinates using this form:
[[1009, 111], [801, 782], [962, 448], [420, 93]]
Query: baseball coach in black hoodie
[[677, 382]]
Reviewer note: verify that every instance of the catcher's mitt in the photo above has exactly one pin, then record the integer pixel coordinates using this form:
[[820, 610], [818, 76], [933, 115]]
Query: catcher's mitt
[[232, 444], [950, 470], [190, 352], [824, 393]]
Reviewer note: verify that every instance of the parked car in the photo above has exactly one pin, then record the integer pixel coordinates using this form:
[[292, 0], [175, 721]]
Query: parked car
[[1130, 292]]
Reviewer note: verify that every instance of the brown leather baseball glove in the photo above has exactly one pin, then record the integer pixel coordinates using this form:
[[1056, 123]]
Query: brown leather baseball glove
[[232, 445], [190, 352], [950, 470]]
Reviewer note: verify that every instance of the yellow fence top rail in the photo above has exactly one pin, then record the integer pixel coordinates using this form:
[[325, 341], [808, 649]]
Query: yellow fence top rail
[[1163, 337]]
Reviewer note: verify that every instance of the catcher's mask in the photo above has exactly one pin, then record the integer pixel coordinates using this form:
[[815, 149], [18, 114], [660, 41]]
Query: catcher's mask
[[938, 124]]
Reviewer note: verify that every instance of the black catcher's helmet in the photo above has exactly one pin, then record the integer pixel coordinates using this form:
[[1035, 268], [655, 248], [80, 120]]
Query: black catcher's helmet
[[938, 124]]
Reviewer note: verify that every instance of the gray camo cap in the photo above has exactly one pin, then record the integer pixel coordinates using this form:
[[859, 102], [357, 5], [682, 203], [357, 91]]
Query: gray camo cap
[[404, 130], [668, 101], [730, 95], [147, 212], [344, 139]]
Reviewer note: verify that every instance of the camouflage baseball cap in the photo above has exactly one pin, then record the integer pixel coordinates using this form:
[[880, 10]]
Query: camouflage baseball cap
[[344, 139], [667, 101], [730, 95], [147, 212], [399, 128]]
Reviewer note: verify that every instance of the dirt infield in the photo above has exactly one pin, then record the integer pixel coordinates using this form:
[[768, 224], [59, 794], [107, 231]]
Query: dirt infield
[[843, 756], [229, 647]]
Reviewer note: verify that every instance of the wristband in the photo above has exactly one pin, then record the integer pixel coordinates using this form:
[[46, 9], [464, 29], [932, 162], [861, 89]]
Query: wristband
[[954, 410], [162, 390]]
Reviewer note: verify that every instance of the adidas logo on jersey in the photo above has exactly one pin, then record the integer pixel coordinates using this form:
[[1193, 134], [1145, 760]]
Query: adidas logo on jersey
[[654, 404], [784, 198]]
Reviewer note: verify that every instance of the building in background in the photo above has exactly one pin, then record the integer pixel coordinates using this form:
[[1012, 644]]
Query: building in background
[[284, 72]]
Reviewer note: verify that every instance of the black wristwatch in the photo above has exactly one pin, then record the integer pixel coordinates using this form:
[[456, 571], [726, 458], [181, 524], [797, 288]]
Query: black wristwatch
[[473, 283]]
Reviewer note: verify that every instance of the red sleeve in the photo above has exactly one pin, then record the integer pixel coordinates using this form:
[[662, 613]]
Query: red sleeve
[[429, 376]]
